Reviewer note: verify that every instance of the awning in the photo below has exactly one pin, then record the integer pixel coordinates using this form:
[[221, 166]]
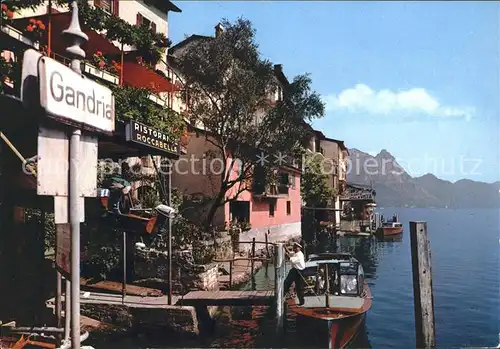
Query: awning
[[138, 75], [60, 21]]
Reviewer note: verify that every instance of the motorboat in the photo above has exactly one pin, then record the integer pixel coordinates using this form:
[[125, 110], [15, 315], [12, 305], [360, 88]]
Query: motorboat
[[336, 300]]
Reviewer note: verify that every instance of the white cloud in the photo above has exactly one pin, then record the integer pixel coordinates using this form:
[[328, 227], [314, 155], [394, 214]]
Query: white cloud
[[362, 98]]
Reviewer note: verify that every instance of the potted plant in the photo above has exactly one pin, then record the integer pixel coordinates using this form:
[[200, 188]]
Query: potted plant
[[234, 232], [34, 30], [245, 226], [7, 14]]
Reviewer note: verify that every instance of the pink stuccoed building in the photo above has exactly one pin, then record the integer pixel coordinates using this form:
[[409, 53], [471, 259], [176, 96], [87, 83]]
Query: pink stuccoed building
[[274, 209], [267, 208]]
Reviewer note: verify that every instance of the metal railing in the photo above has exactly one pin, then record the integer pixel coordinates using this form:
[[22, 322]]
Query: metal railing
[[251, 256]]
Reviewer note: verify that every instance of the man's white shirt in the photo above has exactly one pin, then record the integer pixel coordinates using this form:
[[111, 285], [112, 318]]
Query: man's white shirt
[[297, 260]]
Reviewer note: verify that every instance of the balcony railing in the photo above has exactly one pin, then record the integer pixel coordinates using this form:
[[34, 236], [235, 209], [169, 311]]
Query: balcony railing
[[18, 35], [283, 189], [100, 73], [105, 75]]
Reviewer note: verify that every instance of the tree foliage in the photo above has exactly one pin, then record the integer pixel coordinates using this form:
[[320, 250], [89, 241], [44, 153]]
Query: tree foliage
[[314, 184], [229, 86], [133, 103]]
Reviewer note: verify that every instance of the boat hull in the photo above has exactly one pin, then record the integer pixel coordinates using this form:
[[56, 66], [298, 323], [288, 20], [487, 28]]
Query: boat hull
[[333, 333], [390, 231]]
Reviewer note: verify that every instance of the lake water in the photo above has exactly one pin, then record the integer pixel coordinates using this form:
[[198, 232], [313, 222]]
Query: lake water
[[466, 280]]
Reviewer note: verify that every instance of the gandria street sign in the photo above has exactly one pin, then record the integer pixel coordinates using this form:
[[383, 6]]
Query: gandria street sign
[[74, 98]]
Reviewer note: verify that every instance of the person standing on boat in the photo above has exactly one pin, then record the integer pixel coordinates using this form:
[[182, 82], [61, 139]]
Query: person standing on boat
[[294, 276]]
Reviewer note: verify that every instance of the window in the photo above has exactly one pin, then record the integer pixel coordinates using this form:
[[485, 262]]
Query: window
[[288, 208], [141, 20], [109, 6], [317, 146], [284, 183], [240, 211], [292, 181], [271, 209], [278, 96]]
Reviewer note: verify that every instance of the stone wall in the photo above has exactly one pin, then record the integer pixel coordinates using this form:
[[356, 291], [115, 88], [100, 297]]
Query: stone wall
[[151, 270], [179, 319], [224, 245]]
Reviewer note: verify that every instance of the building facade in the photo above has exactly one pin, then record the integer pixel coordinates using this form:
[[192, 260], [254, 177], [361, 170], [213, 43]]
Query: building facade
[[127, 70], [262, 207], [336, 157]]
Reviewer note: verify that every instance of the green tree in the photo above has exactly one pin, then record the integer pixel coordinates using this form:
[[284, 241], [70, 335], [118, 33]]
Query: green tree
[[314, 186], [229, 85]]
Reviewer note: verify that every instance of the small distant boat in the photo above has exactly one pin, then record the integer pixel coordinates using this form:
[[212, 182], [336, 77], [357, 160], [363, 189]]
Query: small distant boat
[[390, 228], [337, 299]]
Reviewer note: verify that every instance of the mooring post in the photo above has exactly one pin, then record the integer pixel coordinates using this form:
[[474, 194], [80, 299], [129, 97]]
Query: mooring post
[[231, 271], [67, 311], [78, 37], [267, 244], [58, 304], [422, 286], [279, 279], [267, 252], [124, 261], [253, 264], [170, 234]]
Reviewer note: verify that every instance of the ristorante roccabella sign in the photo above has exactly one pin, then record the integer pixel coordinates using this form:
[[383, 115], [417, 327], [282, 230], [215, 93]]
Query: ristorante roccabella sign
[[150, 137], [74, 98]]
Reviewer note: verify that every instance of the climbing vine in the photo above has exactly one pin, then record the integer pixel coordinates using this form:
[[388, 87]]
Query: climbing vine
[[151, 46], [133, 103]]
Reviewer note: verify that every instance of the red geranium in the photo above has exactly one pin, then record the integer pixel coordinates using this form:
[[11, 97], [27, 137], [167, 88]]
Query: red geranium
[[29, 28], [4, 8], [10, 14], [101, 64]]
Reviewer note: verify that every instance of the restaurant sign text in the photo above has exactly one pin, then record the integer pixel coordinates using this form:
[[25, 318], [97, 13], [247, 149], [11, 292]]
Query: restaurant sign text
[[150, 137]]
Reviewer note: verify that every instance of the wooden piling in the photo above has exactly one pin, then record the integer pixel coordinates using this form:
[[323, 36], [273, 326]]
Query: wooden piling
[[268, 255], [279, 279], [58, 305], [253, 264], [267, 245], [124, 261], [231, 272], [422, 286]]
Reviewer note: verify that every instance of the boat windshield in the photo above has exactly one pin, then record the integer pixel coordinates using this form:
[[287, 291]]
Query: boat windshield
[[343, 278]]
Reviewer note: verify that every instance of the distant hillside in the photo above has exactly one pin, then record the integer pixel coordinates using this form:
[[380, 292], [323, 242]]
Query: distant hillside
[[397, 188]]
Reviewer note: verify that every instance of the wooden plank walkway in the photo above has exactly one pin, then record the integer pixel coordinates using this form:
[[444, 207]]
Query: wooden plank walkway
[[130, 301], [116, 288], [228, 298]]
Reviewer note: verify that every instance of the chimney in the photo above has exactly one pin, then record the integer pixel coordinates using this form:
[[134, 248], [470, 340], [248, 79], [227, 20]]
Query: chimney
[[278, 68], [219, 29]]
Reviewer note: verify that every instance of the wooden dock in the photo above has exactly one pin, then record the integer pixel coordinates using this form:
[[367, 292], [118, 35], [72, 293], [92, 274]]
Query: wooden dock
[[228, 298], [114, 299]]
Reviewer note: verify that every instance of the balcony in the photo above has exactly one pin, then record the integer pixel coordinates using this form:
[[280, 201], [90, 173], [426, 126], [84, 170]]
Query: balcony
[[263, 188], [133, 73], [18, 35]]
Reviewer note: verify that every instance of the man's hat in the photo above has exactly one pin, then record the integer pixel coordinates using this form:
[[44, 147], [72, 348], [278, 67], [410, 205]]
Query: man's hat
[[297, 244]]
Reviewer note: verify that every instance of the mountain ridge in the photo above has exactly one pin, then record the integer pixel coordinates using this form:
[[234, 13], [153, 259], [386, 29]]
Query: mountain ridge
[[395, 187]]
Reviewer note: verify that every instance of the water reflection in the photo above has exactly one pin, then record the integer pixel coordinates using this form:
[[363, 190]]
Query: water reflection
[[253, 327]]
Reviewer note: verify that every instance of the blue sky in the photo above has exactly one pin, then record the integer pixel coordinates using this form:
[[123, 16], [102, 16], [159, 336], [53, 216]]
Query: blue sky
[[420, 79]]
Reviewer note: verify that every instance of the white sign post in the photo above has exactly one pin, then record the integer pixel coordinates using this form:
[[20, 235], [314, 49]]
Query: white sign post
[[68, 170]]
